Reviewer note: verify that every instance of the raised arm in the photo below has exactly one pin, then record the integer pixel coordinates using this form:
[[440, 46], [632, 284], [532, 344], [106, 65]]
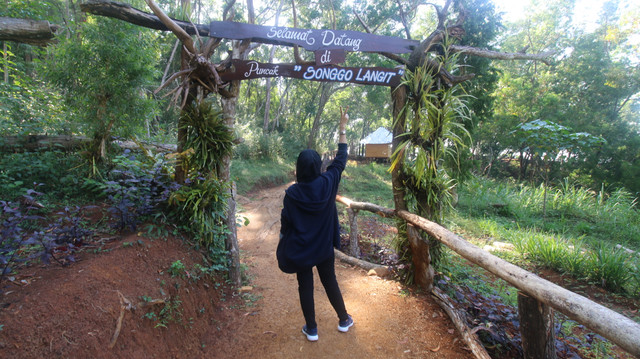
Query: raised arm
[[344, 118]]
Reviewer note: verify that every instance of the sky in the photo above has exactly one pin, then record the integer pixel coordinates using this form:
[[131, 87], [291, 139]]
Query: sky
[[586, 15], [587, 11]]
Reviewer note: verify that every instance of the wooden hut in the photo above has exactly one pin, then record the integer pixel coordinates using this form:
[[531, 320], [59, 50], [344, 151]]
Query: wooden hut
[[378, 144]]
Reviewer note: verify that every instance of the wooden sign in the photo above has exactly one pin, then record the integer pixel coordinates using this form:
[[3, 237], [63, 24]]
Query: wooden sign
[[244, 70], [330, 57], [312, 40]]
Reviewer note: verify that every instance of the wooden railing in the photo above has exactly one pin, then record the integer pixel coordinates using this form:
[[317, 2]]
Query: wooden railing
[[535, 292]]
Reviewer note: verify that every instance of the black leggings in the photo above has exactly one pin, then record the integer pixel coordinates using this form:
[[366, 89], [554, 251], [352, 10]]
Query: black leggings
[[327, 274]]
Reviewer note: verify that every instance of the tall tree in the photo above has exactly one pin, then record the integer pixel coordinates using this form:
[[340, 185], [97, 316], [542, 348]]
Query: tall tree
[[104, 79], [586, 91]]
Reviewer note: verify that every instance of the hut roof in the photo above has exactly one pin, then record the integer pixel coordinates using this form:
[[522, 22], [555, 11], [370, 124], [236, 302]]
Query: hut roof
[[379, 136]]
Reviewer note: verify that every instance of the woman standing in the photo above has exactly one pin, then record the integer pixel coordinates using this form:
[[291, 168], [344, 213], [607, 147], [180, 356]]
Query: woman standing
[[310, 230]]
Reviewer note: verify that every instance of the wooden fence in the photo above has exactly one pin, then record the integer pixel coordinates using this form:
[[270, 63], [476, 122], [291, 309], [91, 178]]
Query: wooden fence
[[535, 297]]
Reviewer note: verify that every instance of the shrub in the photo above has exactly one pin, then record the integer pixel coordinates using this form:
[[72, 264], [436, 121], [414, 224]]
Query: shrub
[[58, 174], [57, 241], [135, 189], [200, 208]]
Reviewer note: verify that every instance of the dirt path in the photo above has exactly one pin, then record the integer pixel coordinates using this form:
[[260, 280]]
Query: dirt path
[[73, 311], [389, 324]]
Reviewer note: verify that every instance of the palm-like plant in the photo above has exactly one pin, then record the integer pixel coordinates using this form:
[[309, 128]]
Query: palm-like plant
[[434, 140], [208, 136]]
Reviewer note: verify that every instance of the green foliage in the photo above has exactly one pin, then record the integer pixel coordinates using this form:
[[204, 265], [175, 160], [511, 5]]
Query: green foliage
[[177, 269], [263, 147], [26, 9], [367, 183], [200, 208], [104, 70], [208, 136], [611, 268], [590, 86], [171, 312], [581, 234], [56, 172], [28, 105], [572, 210], [137, 188], [255, 174], [436, 131], [547, 139], [436, 137]]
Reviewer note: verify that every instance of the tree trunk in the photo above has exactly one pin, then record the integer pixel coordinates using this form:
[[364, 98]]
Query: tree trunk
[[267, 106], [423, 272], [536, 328], [224, 174], [40, 33], [399, 99], [231, 241], [181, 172], [354, 249], [420, 255], [126, 12], [265, 126], [325, 94]]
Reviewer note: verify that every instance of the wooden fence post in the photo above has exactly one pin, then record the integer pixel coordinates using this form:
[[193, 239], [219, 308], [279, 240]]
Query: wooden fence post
[[536, 328], [354, 249]]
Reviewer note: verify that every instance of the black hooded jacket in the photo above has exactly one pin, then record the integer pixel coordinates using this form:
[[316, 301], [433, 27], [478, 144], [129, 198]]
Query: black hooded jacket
[[309, 221]]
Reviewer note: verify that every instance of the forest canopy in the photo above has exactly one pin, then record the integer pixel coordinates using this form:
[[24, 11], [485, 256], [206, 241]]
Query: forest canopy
[[91, 82]]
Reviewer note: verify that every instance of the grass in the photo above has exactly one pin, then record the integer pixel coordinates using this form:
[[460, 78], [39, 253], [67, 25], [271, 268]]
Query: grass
[[252, 174], [367, 183], [577, 235], [577, 231]]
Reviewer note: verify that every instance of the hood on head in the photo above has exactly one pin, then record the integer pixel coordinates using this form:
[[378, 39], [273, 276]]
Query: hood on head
[[308, 166]]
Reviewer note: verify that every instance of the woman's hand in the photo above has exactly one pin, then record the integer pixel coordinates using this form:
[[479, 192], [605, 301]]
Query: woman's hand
[[344, 118]]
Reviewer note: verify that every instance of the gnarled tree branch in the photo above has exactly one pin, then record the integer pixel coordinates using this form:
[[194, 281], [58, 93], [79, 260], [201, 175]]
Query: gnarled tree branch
[[134, 16], [182, 35], [543, 57], [40, 33]]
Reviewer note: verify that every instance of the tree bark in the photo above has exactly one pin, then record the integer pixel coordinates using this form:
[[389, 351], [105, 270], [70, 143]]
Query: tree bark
[[423, 272], [399, 99], [181, 171], [134, 16], [231, 241], [325, 94], [380, 270], [536, 328], [40, 33], [379, 210], [229, 104], [267, 108], [543, 57], [354, 249], [36, 142], [420, 255]]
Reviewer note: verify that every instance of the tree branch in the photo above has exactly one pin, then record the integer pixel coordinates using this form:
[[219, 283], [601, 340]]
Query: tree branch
[[403, 18], [543, 56], [40, 33], [185, 38], [366, 27], [134, 16]]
